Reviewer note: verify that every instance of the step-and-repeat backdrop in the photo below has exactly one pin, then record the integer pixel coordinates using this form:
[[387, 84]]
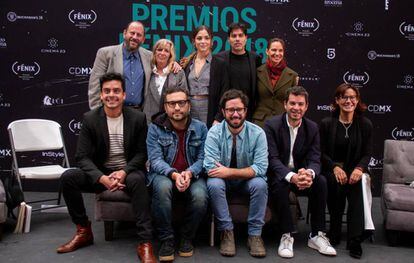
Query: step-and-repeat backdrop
[[47, 49]]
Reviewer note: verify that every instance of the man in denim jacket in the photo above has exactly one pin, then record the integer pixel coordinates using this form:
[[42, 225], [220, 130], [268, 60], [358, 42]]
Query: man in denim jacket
[[175, 144], [236, 162]]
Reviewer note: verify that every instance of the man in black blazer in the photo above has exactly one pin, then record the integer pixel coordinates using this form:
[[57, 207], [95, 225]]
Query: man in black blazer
[[241, 64], [110, 155], [294, 165]]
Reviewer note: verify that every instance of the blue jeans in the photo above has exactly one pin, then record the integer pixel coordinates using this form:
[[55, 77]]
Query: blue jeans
[[196, 199], [255, 187]]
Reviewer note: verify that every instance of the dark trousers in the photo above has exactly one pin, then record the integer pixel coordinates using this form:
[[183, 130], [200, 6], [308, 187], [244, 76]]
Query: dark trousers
[[337, 195], [75, 182], [279, 190]]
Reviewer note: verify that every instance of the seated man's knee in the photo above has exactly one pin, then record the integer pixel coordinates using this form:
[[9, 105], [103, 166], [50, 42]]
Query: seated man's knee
[[136, 177], [69, 175], [162, 186], [199, 197], [258, 185], [215, 184]]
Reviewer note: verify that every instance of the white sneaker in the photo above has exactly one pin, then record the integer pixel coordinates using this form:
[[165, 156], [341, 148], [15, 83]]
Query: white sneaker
[[321, 243], [286, 246]]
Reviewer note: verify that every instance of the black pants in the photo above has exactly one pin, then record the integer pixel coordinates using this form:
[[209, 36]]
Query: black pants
[[279, 190], [75, 182], [337, 195]]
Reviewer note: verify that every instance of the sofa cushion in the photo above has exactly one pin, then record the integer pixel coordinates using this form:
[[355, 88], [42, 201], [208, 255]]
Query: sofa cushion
[[2, 193], [117, 196], [398, 197]]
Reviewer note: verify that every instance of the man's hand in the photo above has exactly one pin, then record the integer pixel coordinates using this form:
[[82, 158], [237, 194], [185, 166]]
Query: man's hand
[[110, 183], [179, 181], [340, 175], [215, 122], [176, 67], [119, 177], [303, 179], [183, 61], [355, 176], [220, 171]]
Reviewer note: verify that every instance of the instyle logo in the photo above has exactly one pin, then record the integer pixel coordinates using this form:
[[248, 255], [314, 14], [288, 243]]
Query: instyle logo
[[305, 27], [80, 71], [358, 30], [82, 19], [277, 2], [26, 71], [408, 83], [358, 79], [53, 45], [5, 152], [75, 126], [3, 103], [375, 163], [402, 134], [53, 154], [407, 30], [379, 109], [49, 101], [3, 43], [13, 17], [324, 107], [372, 55]]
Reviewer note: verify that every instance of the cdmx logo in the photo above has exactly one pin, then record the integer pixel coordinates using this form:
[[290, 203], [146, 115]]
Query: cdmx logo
[[305, 27], [5, 152], [379, 109], [407, 30], [75, 126], [26, 71], [80, 71], [82, 19], [355, 78], [402, 134]]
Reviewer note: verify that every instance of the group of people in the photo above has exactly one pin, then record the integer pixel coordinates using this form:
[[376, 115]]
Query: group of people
[[212, 126]]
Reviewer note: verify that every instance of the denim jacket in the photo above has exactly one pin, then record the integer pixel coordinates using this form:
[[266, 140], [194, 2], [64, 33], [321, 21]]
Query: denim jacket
[[251, 148], [162, 147]]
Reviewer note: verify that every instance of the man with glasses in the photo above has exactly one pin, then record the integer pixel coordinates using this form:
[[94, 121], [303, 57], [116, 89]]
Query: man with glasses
[[294, 165], [175, 146], [236, 162]]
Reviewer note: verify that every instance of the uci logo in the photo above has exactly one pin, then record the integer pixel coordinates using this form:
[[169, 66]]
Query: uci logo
[[82, 19], [358, 79]]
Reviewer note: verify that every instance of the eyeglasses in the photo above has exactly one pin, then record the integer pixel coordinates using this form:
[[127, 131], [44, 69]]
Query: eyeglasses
[[345, 98], [173, 104], [231, 111]]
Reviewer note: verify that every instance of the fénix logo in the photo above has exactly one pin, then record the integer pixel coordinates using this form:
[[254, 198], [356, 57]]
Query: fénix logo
[[324, 107], [75, 126], [407, 30], [402, 134], [80, 71], [5, 152], [358, 79], [305, 27], [82, 19], [379, 109], [49, 101], [26, 71]]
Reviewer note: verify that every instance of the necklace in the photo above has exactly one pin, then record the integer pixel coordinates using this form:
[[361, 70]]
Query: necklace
[[346, 126]]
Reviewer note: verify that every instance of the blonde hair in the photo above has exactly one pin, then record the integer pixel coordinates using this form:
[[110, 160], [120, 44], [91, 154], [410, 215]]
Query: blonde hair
[[162, 43]]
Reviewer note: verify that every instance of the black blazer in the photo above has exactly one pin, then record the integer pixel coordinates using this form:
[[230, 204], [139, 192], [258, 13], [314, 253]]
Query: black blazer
[[359, 148], [93, 143], [306, 150], [218, 84], [255, 62]]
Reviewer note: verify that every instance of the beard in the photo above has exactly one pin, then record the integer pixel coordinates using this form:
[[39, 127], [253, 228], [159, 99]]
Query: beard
[[234, 125]]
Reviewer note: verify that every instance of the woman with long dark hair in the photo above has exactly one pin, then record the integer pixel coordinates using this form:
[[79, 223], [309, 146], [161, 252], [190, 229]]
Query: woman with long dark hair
[[346, 145]]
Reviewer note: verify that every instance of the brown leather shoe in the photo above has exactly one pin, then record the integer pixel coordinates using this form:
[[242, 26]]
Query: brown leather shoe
[[82, 238], [145, 253]]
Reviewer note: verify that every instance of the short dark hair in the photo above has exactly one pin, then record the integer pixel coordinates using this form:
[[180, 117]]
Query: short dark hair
[[112, 76], [233, 94], [170, 90], [136, 21], [297, 91], [234, 26]]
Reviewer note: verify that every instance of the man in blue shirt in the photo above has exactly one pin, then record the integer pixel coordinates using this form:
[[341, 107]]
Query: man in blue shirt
[[236, 160]]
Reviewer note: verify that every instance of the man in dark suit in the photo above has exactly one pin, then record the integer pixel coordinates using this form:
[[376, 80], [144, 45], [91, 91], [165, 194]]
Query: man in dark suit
[[294, 165], [111, 155], [241, 64]]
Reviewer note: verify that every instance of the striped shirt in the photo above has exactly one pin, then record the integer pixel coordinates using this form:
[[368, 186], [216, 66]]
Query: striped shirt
[[116, 157]]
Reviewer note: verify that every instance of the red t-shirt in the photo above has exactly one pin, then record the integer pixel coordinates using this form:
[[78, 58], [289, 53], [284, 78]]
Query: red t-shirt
[[180, 162]]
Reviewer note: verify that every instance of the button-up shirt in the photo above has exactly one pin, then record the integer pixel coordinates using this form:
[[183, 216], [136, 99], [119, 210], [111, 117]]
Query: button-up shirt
[[251, 148], [134, 77], [160, 78]]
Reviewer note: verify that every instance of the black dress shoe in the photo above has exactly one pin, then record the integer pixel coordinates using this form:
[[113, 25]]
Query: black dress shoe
[[355, 249]]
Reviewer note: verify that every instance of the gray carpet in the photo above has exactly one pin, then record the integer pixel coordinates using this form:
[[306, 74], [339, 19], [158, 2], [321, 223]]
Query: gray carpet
[[49, 230]]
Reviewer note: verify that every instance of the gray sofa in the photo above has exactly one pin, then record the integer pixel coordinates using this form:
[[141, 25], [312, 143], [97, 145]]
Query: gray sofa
[[397, 199], [3, 208]]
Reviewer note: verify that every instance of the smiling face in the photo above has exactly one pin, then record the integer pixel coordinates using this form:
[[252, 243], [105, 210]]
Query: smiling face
[[177, 106], [275, 52], [237, 40], [202, 41], [296, 107], [235, 113], [348, 101], [162, 54], [134, 36], [112, 95]]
